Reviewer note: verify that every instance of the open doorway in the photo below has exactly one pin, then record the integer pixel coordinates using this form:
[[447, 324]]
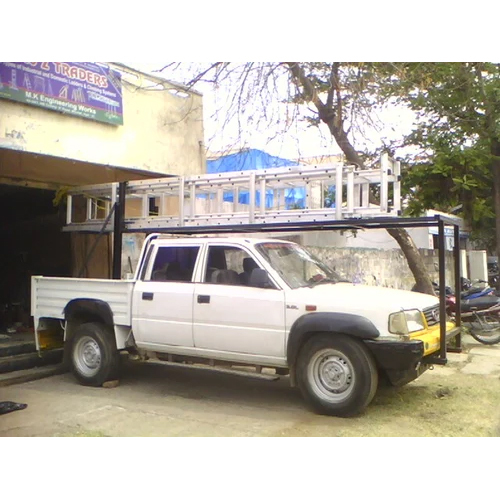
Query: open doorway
[[32, 243]]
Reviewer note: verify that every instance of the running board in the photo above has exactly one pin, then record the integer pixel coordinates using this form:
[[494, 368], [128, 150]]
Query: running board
[[232, 371]]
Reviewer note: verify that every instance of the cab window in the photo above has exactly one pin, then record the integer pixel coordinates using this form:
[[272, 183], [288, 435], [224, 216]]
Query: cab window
[[229, 265], [174, 263]]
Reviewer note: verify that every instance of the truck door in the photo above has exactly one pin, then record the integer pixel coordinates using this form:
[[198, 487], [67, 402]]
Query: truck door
[[231, 314], [162, 310]]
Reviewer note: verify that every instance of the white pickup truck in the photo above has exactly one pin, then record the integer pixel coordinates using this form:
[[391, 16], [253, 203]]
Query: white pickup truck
[[265, 303]]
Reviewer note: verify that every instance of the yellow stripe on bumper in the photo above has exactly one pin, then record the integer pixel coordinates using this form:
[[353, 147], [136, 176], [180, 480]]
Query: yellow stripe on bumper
[[431, 337]]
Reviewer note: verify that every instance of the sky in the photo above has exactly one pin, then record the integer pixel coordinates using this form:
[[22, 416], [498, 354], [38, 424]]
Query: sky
[[269, 31], [296, 142]]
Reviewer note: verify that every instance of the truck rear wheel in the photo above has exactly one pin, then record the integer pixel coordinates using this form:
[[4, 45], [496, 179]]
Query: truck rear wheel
[[94, 357], [336, 375]]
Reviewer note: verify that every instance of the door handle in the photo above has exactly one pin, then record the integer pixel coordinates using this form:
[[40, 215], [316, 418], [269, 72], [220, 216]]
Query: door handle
[[147, 295], [203, 299]]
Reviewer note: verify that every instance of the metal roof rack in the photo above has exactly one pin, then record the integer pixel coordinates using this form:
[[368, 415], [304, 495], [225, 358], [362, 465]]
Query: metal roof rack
[[197, 205], [240, 198]]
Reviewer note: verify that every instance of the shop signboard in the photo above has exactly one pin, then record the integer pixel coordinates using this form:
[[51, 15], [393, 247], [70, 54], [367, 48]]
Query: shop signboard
[[88, 90]]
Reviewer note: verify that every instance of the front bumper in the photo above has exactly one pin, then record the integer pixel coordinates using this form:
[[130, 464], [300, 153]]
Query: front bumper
[[431, 337], [404, 361]]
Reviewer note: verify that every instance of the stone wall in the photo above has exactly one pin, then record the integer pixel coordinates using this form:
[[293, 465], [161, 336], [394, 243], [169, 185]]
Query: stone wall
[[381, 267]]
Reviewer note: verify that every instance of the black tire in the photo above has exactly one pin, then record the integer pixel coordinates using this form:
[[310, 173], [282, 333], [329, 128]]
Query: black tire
[[487, 330], [336, 375], [94, 357]]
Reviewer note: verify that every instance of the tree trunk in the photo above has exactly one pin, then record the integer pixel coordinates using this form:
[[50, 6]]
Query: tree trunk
[[332, 116], [415, 261]]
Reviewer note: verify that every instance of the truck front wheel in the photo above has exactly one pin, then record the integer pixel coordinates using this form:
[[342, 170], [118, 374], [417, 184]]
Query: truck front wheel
[[336, 375], [94, 357]]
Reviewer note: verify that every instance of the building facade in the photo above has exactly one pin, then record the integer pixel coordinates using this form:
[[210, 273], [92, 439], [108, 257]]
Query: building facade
[[70, 124]]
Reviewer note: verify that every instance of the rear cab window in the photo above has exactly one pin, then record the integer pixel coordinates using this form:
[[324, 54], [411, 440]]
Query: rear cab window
[[173, 263]]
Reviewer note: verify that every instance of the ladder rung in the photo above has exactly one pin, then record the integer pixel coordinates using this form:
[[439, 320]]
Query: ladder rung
[[289, 194]]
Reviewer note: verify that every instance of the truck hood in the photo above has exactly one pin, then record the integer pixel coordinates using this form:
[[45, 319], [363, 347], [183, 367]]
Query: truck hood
[[373, 302]]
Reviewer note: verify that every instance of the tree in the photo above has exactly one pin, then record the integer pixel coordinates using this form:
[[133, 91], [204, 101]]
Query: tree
[[456, 157], [342, 94], [331, 112]]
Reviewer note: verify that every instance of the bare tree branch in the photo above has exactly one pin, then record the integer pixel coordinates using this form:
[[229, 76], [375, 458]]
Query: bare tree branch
[[200, 76]]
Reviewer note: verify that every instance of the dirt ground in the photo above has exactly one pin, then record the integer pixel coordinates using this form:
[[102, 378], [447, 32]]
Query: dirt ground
[[460, 399]]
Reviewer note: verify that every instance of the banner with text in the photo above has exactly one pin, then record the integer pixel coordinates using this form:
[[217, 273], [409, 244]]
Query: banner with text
[[88, 90]]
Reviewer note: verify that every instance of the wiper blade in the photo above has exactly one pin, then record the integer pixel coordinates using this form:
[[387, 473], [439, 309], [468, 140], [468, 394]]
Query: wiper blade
[[322, 282]]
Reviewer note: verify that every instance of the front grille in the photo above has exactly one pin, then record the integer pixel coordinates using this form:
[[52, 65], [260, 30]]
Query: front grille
[[432, 315]]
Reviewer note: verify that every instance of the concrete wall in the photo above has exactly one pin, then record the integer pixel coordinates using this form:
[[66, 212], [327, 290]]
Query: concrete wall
[[381, 267], [372, 238], [478, 267], [162, 130]]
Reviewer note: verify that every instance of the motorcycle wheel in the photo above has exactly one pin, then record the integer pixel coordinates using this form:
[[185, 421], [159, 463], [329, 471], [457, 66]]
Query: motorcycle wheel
[[487, 330]]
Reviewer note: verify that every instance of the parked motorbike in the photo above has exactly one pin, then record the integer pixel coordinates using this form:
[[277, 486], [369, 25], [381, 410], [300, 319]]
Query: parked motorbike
[[469, 291], [493, 273], [481, 316]]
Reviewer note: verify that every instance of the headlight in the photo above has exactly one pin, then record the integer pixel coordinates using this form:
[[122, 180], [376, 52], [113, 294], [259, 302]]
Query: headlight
[[406, 322]]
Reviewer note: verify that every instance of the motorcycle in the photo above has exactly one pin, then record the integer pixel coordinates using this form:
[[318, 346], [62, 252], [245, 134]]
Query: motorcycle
[[493, 273], [481, 316], [473, 292]]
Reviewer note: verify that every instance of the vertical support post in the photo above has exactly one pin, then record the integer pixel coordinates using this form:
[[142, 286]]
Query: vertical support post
[[365, 194], [263, 197], [162, 208], [118, 230], [145, 205], [182, 222], [397, 187], [236, 198], [384, 188], [276, 199], [350, 191], [208, 202], [338, 191], [69, 209], [220, 199], [192, 199], [308, 201], [251, 201], [442, 290], [114, 199], [456, 256], [89, 209]]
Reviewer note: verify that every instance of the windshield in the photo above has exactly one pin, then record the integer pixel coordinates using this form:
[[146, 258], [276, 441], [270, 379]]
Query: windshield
[[296, 265]]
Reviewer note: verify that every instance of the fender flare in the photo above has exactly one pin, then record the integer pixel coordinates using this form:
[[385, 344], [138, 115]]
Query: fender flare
[[327, 322], [95, 309]]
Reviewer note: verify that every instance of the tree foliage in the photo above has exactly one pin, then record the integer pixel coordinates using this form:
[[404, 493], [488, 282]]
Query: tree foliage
[[454, 146]]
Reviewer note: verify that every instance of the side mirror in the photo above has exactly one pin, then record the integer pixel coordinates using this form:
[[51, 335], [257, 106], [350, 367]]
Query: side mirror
[[260, 279]]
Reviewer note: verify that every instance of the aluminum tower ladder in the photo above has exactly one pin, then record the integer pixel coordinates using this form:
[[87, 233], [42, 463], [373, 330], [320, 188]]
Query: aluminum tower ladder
[[238, 198]]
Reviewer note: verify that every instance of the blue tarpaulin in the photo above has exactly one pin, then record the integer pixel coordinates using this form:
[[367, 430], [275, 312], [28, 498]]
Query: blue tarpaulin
[[254, 159]]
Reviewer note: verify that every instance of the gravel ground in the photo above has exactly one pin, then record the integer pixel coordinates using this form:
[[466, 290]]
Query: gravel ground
[[459, 399]]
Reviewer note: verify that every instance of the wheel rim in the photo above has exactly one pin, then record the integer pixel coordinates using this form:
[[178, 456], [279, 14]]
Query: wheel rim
[[487, 330], [331, 375], [87, 356]]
